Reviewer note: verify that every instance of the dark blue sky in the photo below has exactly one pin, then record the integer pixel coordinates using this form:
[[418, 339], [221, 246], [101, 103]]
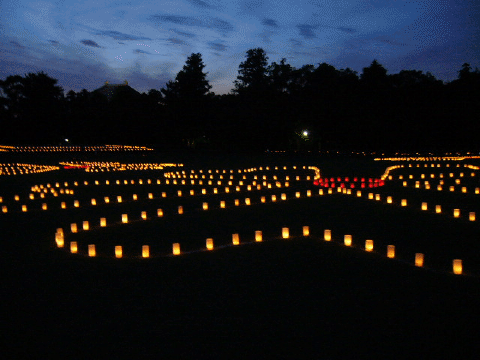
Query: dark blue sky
[[85, 43]]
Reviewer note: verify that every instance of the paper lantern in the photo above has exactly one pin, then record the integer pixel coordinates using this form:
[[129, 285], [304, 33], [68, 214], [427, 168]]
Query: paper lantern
[[145, 251], [457, 266], [73, 247], [124, 218], [17, 198], [32, 196], [370, 196], [205, 206], [404, 202], [4, 209], [285, 233], [359, 193], [439, 187], [209, 244], [424, 206], [438, 209], [106, 199], [258, 236], [91, 250], [457, 181], [262, 199], [306, 231], [103, 222], [327, 235], [297, 194], [389, 199], [76, 203], [180, 209], [247, 201], [419, 259], [427, 186], [320, 192], [404, 183], [274, 198], [235, 239], [118, 251], [368, 245], [215, 191], [391, 251], [284, 196], [471, 216], [86, 225], [144, 215], [377, 196], [347, 240], [452, 188], [176, 249], [44, 206], [464, 189], [179, 192], [330, 191], [477, 190], [119, 199], [59, 239], [159, 212], [456, 213], [73, 228]]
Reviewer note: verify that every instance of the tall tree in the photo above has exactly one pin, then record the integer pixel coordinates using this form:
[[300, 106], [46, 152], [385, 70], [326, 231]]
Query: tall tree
[[252, 73]]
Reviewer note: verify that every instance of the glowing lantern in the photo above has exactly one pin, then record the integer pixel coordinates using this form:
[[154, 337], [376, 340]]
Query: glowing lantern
[[192, 192], [32, 196], [215, 190], [327, 235], [464, 189], [205, 206], [262, 199], [159, 212], [456, 213], [330, 191], [258, 236], [391, 251], [73, 247], [222, 204], [247, 201], [320, 192], [477, 190], [389, 199], [179, 192], [124, 218], [297, 194], [235, 239], [404, 202], [377, 196], [438, 209], [427, 186], [209, 244], [44, 206], [76, 203], [359, 193], [145, 251], [17, 198], [274, 198], [285, 233], [404, 183], [471, 216], [91, 250], [144, 215], [368, 245], [347, 240], [86, 225], [306, 231], [457, 266], [118, 251], [119, 199], [103, 222], [180, 209], [94, 202], [439, 187], [4, 209], [452, 188], [419, 259], [59, 239], [284, 196], [73, 228], [176, 249], [457, 181], [135, 197], [370, 196]]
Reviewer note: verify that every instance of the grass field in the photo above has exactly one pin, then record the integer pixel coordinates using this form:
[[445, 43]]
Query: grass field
[[301, 297]]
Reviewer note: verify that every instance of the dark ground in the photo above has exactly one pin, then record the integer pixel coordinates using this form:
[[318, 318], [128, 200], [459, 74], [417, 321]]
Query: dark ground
[[301, 298]]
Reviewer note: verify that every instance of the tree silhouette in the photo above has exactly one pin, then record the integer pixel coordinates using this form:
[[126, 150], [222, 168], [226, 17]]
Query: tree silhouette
[[252, 73]]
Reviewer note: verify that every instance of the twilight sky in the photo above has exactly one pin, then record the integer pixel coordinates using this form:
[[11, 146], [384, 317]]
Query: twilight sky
[[84, 43]]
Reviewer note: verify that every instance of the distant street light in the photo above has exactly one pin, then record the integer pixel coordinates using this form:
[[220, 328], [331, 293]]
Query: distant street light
[[305, 133]]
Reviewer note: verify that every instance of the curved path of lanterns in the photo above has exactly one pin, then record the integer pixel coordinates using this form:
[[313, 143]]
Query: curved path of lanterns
[[224, 189]]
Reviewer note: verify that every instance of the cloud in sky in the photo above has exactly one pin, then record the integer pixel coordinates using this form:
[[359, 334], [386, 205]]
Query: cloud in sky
[[84, 43]]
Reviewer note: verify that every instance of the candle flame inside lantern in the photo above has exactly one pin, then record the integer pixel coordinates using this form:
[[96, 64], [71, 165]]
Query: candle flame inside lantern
[[44, 206], [86, 225], [306, 231], [438, 209], [404, 202], [222, 204], [419, 259], [327, 235], [103, 222], [457, 266], [237, 202], [258, 236], [285, 233], [471, 216], [205, 206], [424, 206], [73, 247], [235, 239], [118, 251], [370, 196], [94, 202], [456, 213], [209, 244], [297, 194], [369, 245], [389, 199], [347, 240], [391, 251], [159, 212], [180, 209], [91, 250], [262, 199], [176, 249], [124, 218], [274, 198], [359, 193], [135, 197], [144, 215], [377, 196], [145, 251], [119, 199], [73, 228], [284, 196], [59, 239]]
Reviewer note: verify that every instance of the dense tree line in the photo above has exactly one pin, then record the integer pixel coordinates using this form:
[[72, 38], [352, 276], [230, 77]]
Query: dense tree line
[[275, 107]]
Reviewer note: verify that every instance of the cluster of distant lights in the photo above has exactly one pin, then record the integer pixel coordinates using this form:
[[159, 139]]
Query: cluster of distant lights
[[23, 169], [435, 158], [115, 166], [111, 148]]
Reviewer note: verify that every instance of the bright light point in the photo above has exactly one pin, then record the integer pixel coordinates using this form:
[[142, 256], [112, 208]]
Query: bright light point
[[305, 133], [66, 140]]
